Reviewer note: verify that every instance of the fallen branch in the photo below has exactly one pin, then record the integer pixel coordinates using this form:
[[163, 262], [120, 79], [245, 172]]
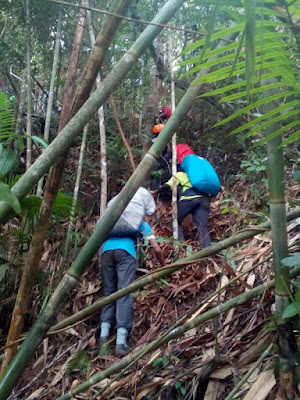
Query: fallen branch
[[250, 372]]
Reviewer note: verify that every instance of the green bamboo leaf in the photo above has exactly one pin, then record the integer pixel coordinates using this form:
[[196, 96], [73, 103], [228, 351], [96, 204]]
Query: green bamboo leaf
[[250, 20], [271, 122], [256, 104], [292, 138], [224, 72], [218, 35], [40, 141], [208, 64], [210, 28], [268, 44], [291, 310], [242, 83], [7, 196], [8, 160], [278, 132], [237, 55], [292, 261], [254, 91], [210, 53], [296, 176], [266, 115]]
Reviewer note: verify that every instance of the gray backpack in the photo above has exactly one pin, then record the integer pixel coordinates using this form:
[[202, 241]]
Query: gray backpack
[[128, 224]]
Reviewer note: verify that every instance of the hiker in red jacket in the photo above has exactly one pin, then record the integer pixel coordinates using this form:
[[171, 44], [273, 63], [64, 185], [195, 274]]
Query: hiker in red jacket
[[190, 201], [166, 157]]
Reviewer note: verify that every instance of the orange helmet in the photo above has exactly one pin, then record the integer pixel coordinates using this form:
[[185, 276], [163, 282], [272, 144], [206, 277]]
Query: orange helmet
[[158, 128]]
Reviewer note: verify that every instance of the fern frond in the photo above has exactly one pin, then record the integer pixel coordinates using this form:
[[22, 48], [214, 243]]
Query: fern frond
[[271, 122], [256, 104], [266, 115], [283, 129]]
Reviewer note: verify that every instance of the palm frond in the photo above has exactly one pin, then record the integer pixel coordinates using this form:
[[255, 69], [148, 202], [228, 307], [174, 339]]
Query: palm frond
[[271, 51], [8, 160]]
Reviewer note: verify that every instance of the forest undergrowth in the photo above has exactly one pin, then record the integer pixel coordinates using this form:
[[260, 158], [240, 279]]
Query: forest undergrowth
[[205, 363]]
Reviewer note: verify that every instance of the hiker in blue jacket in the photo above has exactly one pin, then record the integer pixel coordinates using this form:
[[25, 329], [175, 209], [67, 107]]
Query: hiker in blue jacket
[[118, 271], [191, 202], [194, 198]]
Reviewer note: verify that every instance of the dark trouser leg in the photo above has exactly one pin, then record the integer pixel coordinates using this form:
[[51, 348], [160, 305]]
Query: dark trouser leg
[[201, 216], [126, 269], [184, 208], [109, 284]]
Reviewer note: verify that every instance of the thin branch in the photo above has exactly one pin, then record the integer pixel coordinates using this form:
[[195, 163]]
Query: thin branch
[[4, 27], [250, 372], [114, 109]]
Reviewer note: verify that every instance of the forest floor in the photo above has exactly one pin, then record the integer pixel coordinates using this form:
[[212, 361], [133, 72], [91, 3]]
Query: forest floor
[[227, 346]]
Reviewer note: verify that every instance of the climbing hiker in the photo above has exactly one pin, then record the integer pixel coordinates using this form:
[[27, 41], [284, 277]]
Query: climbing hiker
[[198, 182], [160, 120], [119, 266], [165, 159]]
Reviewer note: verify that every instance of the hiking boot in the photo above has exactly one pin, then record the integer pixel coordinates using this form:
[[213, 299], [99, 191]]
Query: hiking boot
[[122, 349]]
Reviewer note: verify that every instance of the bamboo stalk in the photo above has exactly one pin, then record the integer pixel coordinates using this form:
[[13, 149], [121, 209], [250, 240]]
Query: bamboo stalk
[[74, 204], [173, 334], [139, 21], [72, 129], [276, 178], [29, 85], [98, 53], [265, 354], [174, 152], [66, 324], [32, 262], [141, 99], [18, 127], [103, 161], [163, 272], [16, 367], [51, 89]]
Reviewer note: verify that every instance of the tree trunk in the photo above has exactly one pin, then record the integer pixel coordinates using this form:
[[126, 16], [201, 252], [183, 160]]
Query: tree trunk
[[24, 293], [51, 89], [122, 134], [85, 113], [29, 88], [141, 99], [174, 152], [286, 340], [152, 102], [74, 204], [98, 53], [47, 317], [18, 128], [103, 162]]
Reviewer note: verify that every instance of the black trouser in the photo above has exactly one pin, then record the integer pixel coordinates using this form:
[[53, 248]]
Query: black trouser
[[199, 207], [118, 271]]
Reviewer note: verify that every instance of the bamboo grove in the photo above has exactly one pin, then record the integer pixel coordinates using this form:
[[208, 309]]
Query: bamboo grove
[[251, 60]]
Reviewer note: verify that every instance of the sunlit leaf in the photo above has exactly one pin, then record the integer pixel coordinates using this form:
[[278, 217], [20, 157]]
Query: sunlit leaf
[[291, 310], [7, 196], [292, 261]]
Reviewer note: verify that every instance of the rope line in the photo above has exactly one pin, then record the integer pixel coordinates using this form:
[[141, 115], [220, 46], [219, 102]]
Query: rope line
[[139, 21]]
